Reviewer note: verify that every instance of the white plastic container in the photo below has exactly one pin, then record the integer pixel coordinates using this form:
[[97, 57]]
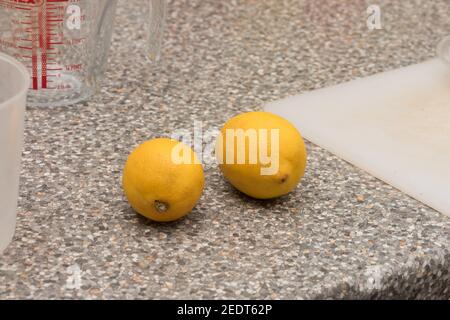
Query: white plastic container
[[443, 49], [14, 84]]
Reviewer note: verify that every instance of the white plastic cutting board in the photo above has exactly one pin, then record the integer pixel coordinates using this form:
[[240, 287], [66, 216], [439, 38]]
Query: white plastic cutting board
[[395, 125]]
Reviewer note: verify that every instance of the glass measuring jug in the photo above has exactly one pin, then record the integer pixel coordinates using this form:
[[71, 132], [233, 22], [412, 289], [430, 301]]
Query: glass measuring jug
[[65, 43]]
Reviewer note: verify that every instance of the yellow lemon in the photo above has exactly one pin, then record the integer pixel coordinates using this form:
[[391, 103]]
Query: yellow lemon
[[163, 179], [261, 154]]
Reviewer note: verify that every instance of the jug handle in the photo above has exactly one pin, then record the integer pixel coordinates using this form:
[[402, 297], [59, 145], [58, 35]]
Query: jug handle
[[157, 10]]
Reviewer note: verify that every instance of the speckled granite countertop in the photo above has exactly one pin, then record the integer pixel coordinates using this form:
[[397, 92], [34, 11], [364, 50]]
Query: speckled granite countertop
[[342, 233]]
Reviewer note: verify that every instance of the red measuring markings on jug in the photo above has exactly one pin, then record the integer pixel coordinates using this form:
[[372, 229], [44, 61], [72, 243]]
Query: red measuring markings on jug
[[39, 38], [28, 2], [65, 43]]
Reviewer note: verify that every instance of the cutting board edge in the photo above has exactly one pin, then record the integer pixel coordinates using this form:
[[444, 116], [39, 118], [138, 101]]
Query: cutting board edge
[[275, 106], [275, 103]]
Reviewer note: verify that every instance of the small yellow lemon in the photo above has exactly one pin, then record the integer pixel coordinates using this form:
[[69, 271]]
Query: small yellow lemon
[[261, 154], [163, 179]]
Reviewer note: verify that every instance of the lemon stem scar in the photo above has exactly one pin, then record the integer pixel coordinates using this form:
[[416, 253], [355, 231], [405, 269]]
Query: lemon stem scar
[[161, 207], [284, 178]]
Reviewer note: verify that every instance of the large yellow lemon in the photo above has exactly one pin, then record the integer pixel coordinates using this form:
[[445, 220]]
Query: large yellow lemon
[[163, 179], [261, 154]]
